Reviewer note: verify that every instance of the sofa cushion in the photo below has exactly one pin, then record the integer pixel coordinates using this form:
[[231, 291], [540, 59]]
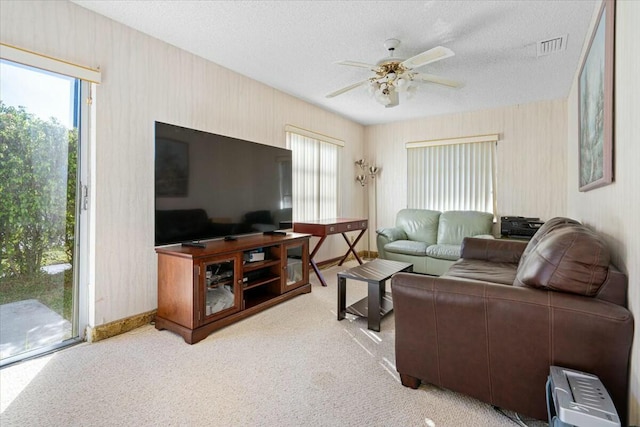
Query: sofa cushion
[[450, 252], [419, 224], [553, 224], [493, 272], [454, 226], [407, 247], [569, 259]]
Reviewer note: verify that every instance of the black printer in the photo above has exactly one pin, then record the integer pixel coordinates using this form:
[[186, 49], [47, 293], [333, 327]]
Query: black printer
[[519, 226]]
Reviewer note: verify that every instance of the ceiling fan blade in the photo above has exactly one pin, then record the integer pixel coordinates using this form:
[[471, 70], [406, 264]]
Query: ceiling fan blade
[[359, 64], [430, 78], [424, 58], [346, 89]]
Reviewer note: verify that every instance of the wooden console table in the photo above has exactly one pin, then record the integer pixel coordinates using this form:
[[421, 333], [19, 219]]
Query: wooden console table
[[201, 290], [325, 227]]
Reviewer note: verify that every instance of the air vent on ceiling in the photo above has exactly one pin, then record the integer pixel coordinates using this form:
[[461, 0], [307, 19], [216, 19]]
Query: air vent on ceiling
[[553, 45]]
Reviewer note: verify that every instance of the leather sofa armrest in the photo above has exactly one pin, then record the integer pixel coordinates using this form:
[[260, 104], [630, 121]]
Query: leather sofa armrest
[[387, 235], [496, 342], [492, 250], [392, 233]]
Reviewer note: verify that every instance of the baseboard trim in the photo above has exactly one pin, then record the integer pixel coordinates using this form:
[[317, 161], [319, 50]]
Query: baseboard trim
[[334, 261], [118, 327]]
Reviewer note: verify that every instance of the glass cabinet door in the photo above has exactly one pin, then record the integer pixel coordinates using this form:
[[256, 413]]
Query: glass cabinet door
[[296, 265], [221, 288]]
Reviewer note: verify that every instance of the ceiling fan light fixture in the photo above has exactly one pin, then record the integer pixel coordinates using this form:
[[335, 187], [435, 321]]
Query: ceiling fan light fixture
[[402, 84], [382, 96], [372, 88], [394, 75]]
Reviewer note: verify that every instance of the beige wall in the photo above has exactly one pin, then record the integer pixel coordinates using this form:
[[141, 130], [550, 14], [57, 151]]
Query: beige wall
[[146, 80], [614, 210], [531, 165]]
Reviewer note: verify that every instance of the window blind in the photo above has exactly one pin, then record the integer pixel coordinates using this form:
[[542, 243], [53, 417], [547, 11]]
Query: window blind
[[315, 177], [452, 174]]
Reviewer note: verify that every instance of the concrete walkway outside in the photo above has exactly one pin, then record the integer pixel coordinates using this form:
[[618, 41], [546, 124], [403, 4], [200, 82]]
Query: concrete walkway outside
[[29, 324]]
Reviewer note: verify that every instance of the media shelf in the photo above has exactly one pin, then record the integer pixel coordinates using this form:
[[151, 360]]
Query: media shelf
[[201, 290], [256, 297], [257, 265], [260, 282]]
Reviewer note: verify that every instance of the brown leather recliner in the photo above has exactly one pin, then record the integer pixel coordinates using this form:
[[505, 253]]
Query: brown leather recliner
[[506, 311]]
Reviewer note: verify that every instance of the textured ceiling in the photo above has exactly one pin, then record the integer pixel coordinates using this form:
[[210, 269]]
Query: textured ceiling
[[293, 46]]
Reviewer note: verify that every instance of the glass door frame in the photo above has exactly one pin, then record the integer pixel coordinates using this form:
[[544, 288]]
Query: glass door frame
[[303, 247], [202, 317], [83, 248]]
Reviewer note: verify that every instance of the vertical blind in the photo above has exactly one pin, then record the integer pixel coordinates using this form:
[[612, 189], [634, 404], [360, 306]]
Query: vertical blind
[[452, 176], [315, 177]]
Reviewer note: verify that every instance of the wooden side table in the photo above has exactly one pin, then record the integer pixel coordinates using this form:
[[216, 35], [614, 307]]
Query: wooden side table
[[325, 227], [378, 302]]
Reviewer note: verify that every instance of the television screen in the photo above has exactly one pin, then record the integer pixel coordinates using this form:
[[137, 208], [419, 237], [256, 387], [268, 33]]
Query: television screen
[[210, 186]]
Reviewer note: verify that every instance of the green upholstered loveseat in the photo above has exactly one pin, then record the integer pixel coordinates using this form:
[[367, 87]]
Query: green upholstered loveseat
[[431, 240]]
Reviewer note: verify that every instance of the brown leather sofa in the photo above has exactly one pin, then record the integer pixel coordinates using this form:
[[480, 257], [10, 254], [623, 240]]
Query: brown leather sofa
[[506, 311]]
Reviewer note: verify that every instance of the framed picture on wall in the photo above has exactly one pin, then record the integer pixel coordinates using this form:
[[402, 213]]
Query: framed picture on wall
[[595, 109], [172, 168]]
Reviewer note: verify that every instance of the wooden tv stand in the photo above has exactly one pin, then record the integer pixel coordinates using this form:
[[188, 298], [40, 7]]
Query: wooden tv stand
[[201, 290]]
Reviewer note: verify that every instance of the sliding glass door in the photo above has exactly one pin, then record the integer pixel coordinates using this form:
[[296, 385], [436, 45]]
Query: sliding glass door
[[40, 210]]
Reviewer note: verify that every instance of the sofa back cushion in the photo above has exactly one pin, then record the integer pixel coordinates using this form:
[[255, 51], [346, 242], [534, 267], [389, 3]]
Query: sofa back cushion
[[547, 227], [570, 259], [419, 224], [454, 226]]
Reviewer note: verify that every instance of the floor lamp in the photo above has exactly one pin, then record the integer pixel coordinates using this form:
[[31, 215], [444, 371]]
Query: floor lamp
[[368, 173]]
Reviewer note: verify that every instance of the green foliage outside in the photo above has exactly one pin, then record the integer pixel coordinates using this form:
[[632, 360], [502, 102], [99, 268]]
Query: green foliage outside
[[53, 290], [38, 166]]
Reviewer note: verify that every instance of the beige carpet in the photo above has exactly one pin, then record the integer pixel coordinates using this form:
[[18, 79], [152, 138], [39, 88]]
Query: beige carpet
[[292, 365]]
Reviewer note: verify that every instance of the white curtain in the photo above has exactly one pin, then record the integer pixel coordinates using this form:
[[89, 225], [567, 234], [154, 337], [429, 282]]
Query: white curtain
[[452, 177], [315, 177]]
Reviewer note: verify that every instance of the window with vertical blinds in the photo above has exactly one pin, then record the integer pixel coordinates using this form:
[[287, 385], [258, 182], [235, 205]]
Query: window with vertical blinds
[[315, 174], [454, 174]]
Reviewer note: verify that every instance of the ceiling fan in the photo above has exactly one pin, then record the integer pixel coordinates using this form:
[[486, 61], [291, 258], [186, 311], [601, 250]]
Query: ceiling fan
[[394, 75]]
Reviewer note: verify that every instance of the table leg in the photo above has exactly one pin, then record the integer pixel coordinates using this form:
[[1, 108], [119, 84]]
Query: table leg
[[342, 297], [352, 247], [317, 247], [313, 263], [373, 309], [317, 270]]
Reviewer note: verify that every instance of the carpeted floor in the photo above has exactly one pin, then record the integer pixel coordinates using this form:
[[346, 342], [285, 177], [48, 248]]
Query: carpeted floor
[[292, 365]]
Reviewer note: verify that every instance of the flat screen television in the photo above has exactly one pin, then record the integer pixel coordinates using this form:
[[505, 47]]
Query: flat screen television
[[210, 186]]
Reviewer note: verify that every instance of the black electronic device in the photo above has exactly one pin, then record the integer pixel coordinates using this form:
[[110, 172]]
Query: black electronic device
[[519, 226], [209, 186]]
